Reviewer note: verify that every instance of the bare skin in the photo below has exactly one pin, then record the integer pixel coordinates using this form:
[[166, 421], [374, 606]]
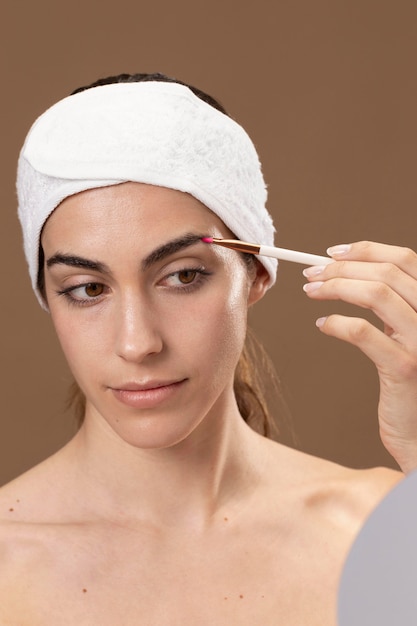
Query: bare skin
[[77, 551], [166, 508]]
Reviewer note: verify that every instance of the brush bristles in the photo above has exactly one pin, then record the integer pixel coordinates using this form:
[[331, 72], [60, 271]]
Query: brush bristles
[[235, 244]]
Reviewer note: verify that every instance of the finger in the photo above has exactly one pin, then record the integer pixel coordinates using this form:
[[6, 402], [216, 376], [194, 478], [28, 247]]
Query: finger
[[369, 251], [387, 355], [377, 297], [387, 273]]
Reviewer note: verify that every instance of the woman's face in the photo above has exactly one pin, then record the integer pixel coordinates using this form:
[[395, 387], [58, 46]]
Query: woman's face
[[151, 319]]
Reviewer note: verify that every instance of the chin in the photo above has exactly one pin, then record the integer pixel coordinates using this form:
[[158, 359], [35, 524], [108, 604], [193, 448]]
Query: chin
[[155, 432]]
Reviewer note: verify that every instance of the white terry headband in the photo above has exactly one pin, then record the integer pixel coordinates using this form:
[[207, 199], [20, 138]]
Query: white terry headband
[[150, 132]]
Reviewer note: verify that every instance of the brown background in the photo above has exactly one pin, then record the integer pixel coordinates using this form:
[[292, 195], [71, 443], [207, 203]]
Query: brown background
[[327, 90]]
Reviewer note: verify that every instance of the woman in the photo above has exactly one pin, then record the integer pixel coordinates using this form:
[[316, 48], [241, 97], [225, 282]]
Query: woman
[[167, 508]]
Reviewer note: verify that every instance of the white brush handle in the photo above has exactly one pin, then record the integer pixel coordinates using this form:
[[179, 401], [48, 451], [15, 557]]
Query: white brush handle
[[292, 255]]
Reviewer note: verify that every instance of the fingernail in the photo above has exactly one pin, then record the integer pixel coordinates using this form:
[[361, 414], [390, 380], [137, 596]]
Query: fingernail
[[320, 321], [339, 250], [310, 287], [313, 271]]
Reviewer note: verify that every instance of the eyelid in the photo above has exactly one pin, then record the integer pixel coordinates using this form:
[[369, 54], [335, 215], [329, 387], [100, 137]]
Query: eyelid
[[75, 277], [182, 260], [68, 293], [202, 274]]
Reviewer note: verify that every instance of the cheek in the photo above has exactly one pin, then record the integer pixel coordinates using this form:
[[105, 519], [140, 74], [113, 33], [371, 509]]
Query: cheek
[[78, 343], [212, 331]]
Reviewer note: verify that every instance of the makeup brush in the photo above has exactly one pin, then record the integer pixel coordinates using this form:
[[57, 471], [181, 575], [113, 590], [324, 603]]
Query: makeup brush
[[277, 253]]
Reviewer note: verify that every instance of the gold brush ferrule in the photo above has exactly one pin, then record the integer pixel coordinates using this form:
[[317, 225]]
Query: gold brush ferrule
[[240, 246]]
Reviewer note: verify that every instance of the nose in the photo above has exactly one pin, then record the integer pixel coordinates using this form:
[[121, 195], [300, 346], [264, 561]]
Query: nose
[[137, 333]]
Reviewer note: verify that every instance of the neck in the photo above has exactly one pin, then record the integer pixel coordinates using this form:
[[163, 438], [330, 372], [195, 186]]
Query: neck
[[188, 484]]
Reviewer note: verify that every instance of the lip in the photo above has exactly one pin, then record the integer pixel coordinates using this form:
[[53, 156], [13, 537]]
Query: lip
[[148, 394]]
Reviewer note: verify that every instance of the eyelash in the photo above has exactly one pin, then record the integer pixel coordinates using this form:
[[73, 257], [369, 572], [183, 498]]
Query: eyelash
[[71, 299], [201, 276]]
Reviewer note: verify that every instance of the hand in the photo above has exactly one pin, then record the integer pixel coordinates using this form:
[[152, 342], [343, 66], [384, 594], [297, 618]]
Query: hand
[[383, 279]]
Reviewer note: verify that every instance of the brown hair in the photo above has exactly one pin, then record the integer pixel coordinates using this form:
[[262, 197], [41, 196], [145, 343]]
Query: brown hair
[[255, 375]]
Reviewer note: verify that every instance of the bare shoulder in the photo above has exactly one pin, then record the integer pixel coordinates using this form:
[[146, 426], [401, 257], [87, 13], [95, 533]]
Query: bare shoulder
[[17, 550], [21, 505], [331, 492], [28, 493], [29, 506], [30, 526], [364, 485], [361, 489], [351, 494]]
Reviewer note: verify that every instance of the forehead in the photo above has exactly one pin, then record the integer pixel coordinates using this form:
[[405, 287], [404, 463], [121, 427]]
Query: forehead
[[142, 212]]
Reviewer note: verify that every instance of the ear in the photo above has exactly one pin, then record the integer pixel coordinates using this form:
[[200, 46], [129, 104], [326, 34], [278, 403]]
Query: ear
[[259, 284]]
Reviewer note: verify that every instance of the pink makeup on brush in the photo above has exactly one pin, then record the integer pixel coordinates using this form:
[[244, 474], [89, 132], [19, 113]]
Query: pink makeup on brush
[[277, 253]]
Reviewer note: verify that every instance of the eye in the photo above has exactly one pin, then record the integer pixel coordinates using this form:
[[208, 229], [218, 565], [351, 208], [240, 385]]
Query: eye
[[186, 279], [187, 276], [92, 290], [83, 294]]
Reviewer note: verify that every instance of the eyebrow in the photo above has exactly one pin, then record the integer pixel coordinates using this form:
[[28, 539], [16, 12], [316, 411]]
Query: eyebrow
[[171, 247], [77, 261], [160, 253]]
